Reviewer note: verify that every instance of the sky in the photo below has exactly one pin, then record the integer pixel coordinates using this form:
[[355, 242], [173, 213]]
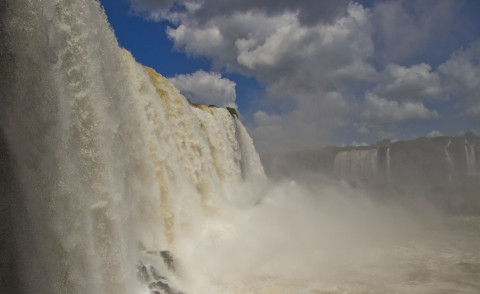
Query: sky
[[310, 73]]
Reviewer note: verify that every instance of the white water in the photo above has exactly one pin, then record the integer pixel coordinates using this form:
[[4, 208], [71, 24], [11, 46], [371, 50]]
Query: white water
[[388, 165], [357, 164], [470, 158], [112, 159], [446, 150], [113, 162], [449, 159]]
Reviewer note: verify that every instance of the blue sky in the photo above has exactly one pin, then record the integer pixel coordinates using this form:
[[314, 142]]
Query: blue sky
[[311, 73]]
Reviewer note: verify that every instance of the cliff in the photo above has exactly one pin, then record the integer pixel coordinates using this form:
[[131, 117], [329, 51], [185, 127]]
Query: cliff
[[445, 170]]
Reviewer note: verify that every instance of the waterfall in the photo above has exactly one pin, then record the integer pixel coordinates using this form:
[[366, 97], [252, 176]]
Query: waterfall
[[356, 164], [449, 159], [387, 165], [470, 158], [446, 150], [113, 183], [111, 160]]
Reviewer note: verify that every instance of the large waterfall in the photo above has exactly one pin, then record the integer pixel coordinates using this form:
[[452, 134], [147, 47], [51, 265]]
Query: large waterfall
[[111, 160], [111, 182]]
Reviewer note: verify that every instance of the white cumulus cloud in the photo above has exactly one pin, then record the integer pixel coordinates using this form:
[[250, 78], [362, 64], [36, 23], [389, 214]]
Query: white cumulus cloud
[[290, 57], [206, 88], [310, 11], [310, 123], [326, 65], [379, 110], [461, 73], [154, 9], [405, 27], [417, 82], [434, 133]]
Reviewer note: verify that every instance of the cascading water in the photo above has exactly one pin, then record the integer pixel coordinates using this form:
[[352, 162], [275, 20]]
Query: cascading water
[[113, 183], [448, 159], [388, 165], [356, 164], [446, 150], [470, 158], [111, 159], [67, 120]]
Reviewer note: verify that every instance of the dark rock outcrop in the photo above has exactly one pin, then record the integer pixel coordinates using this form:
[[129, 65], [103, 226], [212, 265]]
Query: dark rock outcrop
[[153, 277]]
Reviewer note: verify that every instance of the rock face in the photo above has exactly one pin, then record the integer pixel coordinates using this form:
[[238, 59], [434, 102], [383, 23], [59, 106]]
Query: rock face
[[157, 271]]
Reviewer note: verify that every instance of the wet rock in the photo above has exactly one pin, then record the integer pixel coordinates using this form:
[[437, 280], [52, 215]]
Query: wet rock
[[162, 287], [151, 273], [142, 273], [166, 256]]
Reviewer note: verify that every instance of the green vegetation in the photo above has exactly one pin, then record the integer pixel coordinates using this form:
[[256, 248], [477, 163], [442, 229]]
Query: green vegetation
[[232, 111]]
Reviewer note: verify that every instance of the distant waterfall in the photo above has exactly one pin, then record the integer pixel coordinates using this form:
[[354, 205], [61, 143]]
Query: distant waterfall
[[448, 159], [388, 165], [356, 164], [446, 150], [111, 159], [470, 158]]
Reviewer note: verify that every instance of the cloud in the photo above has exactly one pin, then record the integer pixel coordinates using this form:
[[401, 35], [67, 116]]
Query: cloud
[[321, 59], [310, 123], [198, 41], [309, 11], [312, 64], [434, 133], [417, 82], [206, 88], [298, 59], [289, 57], [356, 144], [404, 28], [361, 128], [155, 9], [457, 79], [379, 110], [262, 118], [461, 74]]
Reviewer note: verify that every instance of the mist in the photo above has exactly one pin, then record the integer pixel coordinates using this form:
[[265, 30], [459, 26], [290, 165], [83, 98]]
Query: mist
[[318, 235], [315, 228]]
